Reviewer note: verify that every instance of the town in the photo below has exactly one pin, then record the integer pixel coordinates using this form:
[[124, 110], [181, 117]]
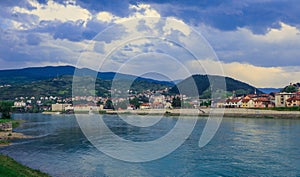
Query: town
[[154, 100]]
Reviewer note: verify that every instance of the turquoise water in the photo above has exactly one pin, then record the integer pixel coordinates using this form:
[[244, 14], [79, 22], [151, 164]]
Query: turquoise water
[[241, 147]]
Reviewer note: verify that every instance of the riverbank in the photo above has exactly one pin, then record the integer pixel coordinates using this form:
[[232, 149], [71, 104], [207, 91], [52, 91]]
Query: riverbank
[[204, 112], [10, 167], [6, 136]]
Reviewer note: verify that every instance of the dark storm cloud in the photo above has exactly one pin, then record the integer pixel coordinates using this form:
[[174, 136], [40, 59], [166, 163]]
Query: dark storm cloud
[[226, 15]]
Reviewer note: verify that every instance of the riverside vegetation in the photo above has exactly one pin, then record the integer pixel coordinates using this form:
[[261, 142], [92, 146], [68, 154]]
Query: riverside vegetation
[[9, 167]]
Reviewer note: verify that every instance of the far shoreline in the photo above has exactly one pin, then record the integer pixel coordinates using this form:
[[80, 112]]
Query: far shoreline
[[203, 112]]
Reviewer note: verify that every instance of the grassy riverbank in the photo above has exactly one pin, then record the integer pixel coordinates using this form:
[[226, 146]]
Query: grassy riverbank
[[15, 123], [9, 167]]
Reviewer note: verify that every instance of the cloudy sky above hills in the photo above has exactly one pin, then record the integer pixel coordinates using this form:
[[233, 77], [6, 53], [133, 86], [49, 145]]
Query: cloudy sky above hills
[[254, 41]]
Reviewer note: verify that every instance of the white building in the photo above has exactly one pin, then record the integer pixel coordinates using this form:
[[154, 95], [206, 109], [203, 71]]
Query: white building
[[280, 98], [19, 104]]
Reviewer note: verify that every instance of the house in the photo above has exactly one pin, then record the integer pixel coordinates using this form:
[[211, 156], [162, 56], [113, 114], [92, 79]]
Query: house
[[168, 105], [130, 107], [281, 98], [145, 106], [59, 107], [262, 102], [19, 104], [85, 107], [157, 105], [220, 103], [293, 101], [233, 103], [247, 102]]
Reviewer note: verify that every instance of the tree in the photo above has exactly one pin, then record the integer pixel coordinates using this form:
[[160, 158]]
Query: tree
[[290, 89], [108, 105], [206, 103], [5, 109], [135, 102], [176, 102]]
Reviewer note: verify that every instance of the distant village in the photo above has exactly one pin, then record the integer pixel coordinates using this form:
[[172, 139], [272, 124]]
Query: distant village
[[153, 100]]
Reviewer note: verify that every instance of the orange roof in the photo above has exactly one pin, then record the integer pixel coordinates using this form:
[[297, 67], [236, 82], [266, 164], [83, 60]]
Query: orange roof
[[262, 99], [265, 95], [145, 104], [232, 100], [251, 95], [245, 100], [294, 98]]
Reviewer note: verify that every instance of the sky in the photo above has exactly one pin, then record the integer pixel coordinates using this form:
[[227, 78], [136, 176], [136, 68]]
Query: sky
[[255, 41]]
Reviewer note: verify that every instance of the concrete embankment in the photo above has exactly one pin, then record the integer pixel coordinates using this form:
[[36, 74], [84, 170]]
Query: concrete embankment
[[240, 112]]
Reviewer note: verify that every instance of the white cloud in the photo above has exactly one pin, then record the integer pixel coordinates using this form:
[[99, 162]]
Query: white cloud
[[55, 11], [258, 76], [278, 47], [285, 33], [139, 11], [144, 10], [105, 17], [175, 24]]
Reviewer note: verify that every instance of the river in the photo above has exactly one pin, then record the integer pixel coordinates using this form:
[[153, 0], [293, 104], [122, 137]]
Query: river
[[241, 147]]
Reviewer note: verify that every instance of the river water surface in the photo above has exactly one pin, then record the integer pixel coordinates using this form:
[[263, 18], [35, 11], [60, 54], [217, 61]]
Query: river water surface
[[241, 147]]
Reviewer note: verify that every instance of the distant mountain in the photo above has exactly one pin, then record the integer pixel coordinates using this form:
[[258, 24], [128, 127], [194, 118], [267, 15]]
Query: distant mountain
[[20, 76], [203, 86], [57, 81], [270, 90], [62, 87], [17, 76]]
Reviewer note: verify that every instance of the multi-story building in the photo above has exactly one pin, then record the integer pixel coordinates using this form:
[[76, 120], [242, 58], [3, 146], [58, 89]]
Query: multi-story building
[[59, 107], [281, 98]]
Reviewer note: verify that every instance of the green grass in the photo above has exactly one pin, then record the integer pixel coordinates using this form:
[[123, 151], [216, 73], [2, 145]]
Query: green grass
[[4, 142], [15, 123], [296, 108], [9, 167]]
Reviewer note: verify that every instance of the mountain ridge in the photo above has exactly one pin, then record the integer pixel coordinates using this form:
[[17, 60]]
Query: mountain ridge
[[15, 76], [26, 77]]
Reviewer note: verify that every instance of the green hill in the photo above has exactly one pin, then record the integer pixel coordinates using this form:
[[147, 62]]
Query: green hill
[[204, 82], [62, 87], [291, 88], [57, 81]]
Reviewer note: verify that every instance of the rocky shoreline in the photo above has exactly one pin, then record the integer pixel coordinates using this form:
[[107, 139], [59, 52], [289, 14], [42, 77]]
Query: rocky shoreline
[[7, 134]]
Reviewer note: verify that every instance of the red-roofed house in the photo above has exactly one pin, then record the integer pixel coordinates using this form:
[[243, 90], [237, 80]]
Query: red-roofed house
[[247, 102], [262, 102], [233, 103], [145, 106], [293, 101]]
